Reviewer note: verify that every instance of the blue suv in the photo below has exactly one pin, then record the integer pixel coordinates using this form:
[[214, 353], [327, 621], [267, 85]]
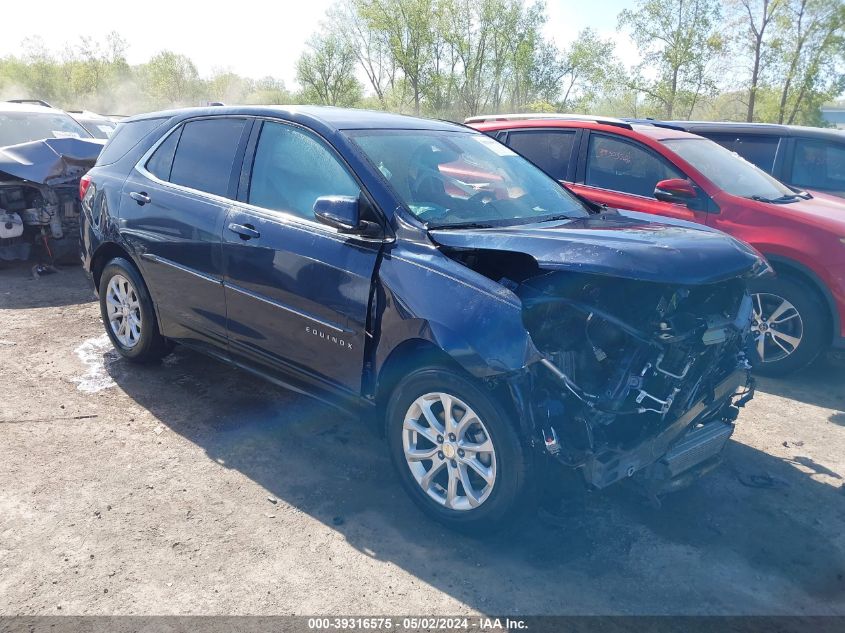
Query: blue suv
[[499, 328]]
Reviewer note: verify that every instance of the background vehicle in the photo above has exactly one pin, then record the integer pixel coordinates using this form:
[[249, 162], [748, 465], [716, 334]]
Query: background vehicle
[[413, 269], [804, 157], [660, 170], [43, 154], [98, 125]]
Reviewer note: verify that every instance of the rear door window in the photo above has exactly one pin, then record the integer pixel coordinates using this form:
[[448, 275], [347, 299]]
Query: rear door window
[[550, 150], [205, 154], [628, 167], [819, 165]]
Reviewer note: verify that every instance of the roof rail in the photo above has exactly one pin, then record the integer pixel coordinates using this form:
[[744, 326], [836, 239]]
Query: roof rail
[[30, 102], [658, 123], [486, 118]]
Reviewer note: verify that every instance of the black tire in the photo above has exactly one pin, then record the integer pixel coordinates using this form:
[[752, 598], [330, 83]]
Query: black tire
[[813, 322], [510, 492], [151, 345]]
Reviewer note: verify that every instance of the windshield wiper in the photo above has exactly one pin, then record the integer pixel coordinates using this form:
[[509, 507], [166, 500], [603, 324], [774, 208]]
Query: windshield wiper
[[461, 225], [790, 197], [556, 218]]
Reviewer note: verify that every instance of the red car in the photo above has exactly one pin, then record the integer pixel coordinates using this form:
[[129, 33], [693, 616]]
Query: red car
[[651, 168]]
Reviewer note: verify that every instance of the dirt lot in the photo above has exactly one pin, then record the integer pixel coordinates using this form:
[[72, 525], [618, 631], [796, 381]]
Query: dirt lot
[[192, 488]]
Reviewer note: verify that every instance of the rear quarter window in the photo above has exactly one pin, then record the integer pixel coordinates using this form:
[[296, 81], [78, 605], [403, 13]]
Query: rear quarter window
[[757, 149], [161, 162], [125, 137]]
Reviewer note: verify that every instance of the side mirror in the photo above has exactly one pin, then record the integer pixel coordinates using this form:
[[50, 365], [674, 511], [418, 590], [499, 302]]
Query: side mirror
[[340, 212], [675, 190], [344, 214]]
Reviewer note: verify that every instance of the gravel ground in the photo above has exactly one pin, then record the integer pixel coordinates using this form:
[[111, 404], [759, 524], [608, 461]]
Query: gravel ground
[[192, 488]]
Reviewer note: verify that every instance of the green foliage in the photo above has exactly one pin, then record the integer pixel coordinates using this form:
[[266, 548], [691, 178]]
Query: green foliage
[[677, 41], [766, 60], [170, 78], [327, 72], [808, 48]]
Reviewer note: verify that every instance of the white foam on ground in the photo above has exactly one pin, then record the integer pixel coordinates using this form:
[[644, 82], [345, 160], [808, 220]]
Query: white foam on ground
[[95, 353]]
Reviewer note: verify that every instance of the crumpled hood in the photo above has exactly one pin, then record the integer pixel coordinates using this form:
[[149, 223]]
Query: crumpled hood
[[626, 245], [53, 161]]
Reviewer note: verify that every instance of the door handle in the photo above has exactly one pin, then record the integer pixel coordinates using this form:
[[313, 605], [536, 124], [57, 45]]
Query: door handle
[[140, 197], [246, 231]]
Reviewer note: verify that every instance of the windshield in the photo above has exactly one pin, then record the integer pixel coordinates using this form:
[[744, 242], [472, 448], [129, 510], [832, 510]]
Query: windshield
[[460, 178], [729, 171], [22, 127]]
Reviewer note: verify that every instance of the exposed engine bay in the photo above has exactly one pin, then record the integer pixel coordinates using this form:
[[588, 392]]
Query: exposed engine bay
[[39, 198], [38, 219], [631, 369]]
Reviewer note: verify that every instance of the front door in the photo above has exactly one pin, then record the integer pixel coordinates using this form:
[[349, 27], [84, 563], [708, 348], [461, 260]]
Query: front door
[[622, 174], [297, 291]]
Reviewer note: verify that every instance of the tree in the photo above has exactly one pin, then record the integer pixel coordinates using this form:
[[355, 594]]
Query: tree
[[327, 72], [92, 69], [810, 41], [170, 79], [40, 71], [227, 87], [407, 27], [588, 68], [754, 18], [269, 91], [677, 40], [370, 46]]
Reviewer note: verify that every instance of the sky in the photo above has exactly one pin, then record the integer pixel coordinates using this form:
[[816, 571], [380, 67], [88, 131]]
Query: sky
[[252, 38]]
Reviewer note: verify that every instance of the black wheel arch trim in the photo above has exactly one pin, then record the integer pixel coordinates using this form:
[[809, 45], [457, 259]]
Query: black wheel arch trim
[[832, 313], [107, 251]]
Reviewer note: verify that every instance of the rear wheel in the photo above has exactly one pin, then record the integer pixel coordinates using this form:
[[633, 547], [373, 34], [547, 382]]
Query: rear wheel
[[457, 456], [788, 324], [128, 314]]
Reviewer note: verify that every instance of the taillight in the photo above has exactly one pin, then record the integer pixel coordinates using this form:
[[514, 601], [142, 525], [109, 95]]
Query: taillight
[[84, 183]]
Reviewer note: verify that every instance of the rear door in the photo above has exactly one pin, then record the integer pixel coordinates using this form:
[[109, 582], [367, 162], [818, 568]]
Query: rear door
[[622, 174], [297, 291], [173, 208]]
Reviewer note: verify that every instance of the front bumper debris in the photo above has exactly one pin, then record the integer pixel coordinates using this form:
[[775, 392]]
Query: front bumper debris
[[677, 449]]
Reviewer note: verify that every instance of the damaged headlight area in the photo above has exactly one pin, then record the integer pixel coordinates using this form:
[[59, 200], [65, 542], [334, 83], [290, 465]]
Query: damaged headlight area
[[636, 375], [33, 215], [39, 195]]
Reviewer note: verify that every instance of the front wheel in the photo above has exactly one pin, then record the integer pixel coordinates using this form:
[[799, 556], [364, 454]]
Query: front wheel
[[456, 454], [788, 325]]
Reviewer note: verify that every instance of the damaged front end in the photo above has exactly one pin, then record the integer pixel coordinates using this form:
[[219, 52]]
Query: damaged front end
[[641, 331], [637, 377], [39, 199]]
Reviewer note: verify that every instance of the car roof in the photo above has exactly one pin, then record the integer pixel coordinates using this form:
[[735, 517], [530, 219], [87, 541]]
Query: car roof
[[582, 121], [8, 106], [762, 129], [327, 117]]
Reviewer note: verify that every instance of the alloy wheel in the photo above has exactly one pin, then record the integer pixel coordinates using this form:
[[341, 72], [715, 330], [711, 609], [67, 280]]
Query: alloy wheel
[[124, 311], [449, 451], [777, 326]]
